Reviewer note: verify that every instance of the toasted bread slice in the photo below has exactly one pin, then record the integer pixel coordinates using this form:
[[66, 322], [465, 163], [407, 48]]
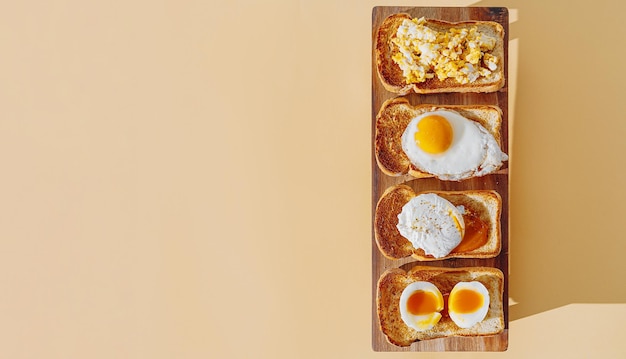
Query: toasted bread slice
[[484, 204], [393, 281], [391, 74], [393, 118]]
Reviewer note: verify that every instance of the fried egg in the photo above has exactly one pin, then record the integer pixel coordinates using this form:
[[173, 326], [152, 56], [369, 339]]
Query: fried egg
[[420, 305], [432, 223], [468, 303], [450, 146]]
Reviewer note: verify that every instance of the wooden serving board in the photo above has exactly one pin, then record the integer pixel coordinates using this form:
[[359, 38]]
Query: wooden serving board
[[498, 181]]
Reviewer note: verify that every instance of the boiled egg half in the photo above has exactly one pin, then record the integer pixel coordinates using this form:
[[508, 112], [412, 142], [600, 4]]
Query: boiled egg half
[[468, 303], [420, 305]]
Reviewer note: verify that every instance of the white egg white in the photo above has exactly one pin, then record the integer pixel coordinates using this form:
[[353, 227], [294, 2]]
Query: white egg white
[[420, 322], [473, 152], [468, 320], [432, 223]]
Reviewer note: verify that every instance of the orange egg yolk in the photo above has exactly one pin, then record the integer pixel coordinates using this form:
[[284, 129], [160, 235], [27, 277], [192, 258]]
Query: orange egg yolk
[[422, 302], [475, 236], [434, 134], [465, 301]]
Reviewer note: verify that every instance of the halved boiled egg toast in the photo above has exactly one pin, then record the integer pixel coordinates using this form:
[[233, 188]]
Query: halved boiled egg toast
[[434, 302]]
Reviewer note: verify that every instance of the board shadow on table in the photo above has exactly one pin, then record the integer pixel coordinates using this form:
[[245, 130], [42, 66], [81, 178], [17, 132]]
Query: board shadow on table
[[563, 248]]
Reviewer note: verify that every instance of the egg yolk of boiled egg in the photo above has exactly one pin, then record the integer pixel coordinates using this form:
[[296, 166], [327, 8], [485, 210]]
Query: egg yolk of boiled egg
[[422, 302], [434, 134], [466, 301]]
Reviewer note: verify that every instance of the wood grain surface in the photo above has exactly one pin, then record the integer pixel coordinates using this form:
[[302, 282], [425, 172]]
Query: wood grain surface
[[498, 181]]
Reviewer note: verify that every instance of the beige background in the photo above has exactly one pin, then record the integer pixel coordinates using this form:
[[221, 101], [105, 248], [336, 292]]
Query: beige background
[[183, 179]]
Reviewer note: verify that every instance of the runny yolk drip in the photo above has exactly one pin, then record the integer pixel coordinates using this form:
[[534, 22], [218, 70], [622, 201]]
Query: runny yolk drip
[[434, 134], [475, 234], [423, 302], [465, 301]]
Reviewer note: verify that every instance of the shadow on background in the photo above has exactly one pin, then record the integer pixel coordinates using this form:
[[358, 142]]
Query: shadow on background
[[567, 138]]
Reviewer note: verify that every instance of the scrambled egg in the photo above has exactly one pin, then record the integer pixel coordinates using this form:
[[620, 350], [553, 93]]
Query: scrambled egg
[[461, 54]]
